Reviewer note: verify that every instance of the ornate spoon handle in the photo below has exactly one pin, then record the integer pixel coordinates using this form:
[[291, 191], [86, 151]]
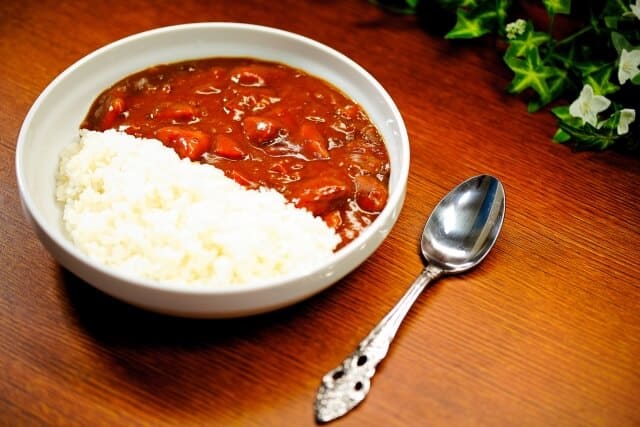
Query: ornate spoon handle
[[344, 387]]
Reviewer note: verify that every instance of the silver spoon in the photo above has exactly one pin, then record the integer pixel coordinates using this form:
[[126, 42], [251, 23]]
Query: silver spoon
[[457, 236]]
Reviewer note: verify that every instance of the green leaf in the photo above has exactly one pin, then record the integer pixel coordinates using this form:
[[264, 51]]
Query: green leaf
[[557, 6], [535, 105], [587, 68], [611, 22], [529, 40], [588, 137], [470, 26], [561, 137], [600, 81], [566, 59], [611, 123], [563, 115], [557, 86], [559, 83], [583, 134], [502, 9], [620, 42], [530, 72], [615, 7], [562, 112], [598, 75]]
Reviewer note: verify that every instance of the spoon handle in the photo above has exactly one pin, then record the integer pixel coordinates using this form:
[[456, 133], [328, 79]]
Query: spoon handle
[[344, 387]]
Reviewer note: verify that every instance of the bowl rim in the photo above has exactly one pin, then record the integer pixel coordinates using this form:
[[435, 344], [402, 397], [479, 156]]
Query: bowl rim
[[395, 201]]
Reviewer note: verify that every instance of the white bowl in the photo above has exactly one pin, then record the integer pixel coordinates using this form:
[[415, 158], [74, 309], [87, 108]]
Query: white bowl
[[54, 119]]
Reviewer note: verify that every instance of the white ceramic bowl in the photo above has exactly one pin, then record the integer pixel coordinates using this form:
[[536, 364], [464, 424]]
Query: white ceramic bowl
[[55, 117]]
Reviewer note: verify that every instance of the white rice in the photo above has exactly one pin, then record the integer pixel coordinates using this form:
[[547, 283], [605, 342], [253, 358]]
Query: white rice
[[133, 205]]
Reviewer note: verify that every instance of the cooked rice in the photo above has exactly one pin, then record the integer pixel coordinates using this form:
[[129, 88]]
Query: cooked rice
[[134, 205]]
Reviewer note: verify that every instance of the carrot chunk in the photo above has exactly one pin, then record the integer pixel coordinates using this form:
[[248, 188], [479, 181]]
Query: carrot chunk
[[320, 194], [371, 194], [333, 219], [177, 111], [260, 130], [314, 145], [256, 75], [186, 142], [112, 108], [227, 147]]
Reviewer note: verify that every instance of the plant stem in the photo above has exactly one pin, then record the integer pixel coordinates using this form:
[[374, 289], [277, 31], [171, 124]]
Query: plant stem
[[553, 45], [575, 35]]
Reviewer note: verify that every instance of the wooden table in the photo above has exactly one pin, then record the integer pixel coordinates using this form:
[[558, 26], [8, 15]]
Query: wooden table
[[545, 332]]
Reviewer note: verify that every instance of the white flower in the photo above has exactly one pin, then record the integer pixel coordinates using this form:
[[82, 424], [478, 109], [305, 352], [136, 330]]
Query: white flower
[[635, 8], [516, 28], [629, 63], [588, 105], [627, 116]]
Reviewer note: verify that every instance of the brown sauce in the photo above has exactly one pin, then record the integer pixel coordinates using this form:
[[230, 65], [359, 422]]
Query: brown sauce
[[263, 124]]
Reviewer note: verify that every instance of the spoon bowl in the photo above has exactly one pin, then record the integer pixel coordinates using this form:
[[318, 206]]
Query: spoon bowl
[[457, 236], [464, 225]]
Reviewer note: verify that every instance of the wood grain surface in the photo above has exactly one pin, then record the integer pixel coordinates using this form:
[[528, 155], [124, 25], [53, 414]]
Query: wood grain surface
[[546, 332]]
